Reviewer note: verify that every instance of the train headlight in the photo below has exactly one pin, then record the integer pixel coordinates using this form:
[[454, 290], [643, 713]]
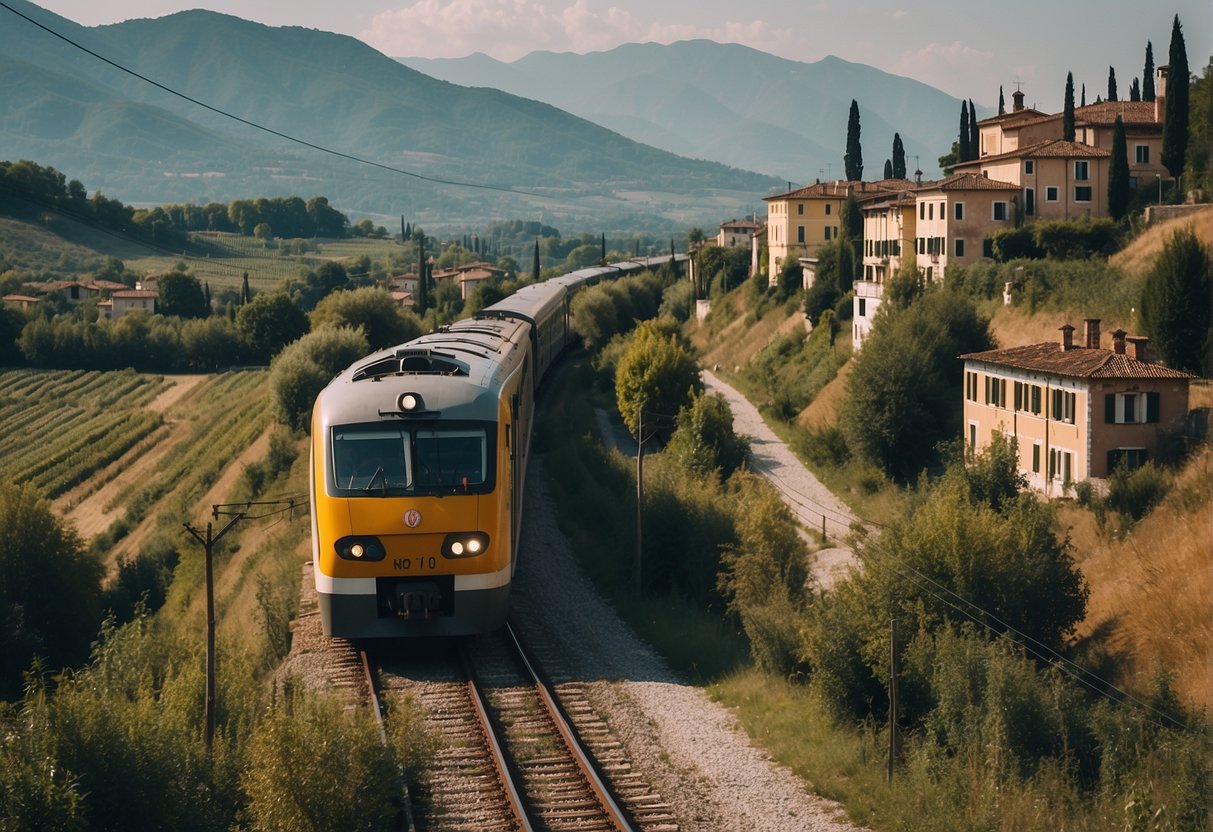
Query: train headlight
[[360, 548], [465, 544], [410, 402]]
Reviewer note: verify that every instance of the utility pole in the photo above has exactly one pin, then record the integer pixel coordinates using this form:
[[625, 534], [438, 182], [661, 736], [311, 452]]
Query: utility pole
[[636, 563], [892, 695], [208, 544]]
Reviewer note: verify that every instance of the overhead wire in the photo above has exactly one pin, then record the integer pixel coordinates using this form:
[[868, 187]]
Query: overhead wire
[[278, 133]]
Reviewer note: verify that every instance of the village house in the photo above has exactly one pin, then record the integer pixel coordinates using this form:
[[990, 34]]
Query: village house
[[888, 233], [129, 300], [1056, 179], [956, 219], [736, 233], [1075, 411]]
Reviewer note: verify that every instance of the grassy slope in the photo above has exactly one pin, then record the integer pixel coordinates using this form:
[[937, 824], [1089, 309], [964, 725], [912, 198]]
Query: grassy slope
[[1150, 589]]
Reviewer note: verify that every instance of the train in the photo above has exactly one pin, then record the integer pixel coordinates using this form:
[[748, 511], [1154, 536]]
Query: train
[[418, 459]]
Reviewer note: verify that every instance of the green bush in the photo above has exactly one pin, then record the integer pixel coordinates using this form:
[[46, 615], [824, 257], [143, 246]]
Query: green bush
[[1016, 244], [302, 370], [315, 764], [704, 440], [1134, 492], [1077, 239]]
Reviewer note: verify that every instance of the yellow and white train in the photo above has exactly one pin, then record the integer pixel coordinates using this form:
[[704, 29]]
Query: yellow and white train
[[419, 453]]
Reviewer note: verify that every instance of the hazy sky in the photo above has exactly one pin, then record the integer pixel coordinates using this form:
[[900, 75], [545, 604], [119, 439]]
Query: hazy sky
[[946, 43]]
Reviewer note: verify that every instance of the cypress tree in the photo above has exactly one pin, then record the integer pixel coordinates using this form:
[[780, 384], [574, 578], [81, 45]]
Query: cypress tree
[[604, 248], [246, 294], [853, 160], [974, 133], [1084, 95], [1134, 91], [535, 263], [966, 152], [1147, 75], [1175, 122], [1118, 174], [888, 168], [899, 157], [1002, 104], [422, 277], [206, 294], [1178, 324], [1112, 84], [1067, 115]]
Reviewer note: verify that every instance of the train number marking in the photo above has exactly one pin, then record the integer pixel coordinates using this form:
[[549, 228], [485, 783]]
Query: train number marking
[[412, 518], [414, 564]]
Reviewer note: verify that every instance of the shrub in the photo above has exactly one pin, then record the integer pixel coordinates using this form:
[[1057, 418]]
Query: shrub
[[1077, 239], [301, 371], [705, 441], [1015, 244], [370, 309], [1134, 492]]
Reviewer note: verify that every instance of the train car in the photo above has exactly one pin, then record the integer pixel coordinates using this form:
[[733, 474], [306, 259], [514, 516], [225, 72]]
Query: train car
[[418, 459], [418, 453]]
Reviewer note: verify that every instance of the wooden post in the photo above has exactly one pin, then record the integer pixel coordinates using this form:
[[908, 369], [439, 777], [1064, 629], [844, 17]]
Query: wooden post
[[636, 564], [892, 696]]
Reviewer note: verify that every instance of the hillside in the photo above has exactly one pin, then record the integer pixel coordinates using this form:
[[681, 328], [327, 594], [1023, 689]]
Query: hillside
[[140, 144], [729, 103]]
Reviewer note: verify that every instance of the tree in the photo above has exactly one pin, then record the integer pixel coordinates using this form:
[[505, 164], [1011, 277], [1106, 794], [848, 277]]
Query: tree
[[1067, 115], [1175, 121], [1177, 302], [181, 295], [423, 275], [900, 398], [1118, 174], [535, 268], [1084, 94], [603, 257], [656, 374], [1147, 75], [246, 294], [974, 133], [899, 157], [269, 322], [853, 160], [704, 440], [1134, 91], [1112, 84], [1002, 102], [966, 151], [888, 168], [370, 309], [45, 573], [302, 369]]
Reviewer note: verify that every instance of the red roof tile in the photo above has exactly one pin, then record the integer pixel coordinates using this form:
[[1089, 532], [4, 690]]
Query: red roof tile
[[1076, 362], [968, 182]]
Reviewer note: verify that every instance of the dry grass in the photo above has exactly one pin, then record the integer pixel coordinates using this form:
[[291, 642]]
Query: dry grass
[[823, 410], [1137, 257], [1013, 326], [1151, 598]]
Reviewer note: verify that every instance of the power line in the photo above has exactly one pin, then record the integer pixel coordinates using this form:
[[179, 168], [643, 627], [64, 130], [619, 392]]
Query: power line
[[270, 130]]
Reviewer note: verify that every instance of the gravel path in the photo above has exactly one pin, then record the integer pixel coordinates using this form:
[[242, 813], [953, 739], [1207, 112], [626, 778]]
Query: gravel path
[[689, 747]]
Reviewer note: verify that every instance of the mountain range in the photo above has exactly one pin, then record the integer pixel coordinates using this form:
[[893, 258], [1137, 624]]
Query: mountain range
[[599, 141], [730, 103]]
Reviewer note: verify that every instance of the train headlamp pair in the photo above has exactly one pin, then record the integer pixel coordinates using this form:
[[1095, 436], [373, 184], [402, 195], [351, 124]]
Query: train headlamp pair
[[465, 544], [361, 547]]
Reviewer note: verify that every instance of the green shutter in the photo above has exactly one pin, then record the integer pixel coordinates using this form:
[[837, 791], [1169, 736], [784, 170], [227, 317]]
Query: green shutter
[[1109, 408], [1152, 402]]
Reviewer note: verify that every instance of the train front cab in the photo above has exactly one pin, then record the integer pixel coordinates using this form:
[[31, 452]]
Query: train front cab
[[416, 575]]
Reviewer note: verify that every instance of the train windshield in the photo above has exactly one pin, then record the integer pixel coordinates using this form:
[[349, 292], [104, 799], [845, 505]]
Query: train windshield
[[380, 460]]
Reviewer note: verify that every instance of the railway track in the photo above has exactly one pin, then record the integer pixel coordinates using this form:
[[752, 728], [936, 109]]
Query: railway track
[[512, 755]]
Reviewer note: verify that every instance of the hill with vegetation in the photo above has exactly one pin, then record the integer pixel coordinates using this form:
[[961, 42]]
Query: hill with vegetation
[[728, 103], [136, 142]]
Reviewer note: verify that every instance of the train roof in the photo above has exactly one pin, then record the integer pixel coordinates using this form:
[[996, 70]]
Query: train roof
[[456, 370]]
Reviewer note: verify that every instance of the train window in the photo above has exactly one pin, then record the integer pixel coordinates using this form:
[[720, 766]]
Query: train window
[[376, 460], [364, 460], [449, 458]]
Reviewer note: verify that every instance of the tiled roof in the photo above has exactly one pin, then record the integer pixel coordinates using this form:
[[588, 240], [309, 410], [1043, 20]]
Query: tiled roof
[[19, 299], [1105, 113], [968, 182], [838, 188], [1013, 115], [135, 294], [739, 224], [1076, 362], [1047, 149]]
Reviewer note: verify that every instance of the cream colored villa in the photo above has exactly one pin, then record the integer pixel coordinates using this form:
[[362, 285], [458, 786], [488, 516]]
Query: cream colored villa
[[1076, 411]]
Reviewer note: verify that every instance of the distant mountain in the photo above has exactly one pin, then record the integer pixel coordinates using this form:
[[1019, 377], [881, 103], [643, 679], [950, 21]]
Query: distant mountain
[[138, 143], [730, 103]]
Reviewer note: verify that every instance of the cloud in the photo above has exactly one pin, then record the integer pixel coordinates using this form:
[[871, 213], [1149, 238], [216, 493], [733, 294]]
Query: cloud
[[509, 29], [952, 67]]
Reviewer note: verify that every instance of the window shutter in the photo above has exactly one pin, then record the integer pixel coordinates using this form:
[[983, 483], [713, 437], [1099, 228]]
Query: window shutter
[[1109, 408], [1019, 395], [987, 389], [1152, 407]]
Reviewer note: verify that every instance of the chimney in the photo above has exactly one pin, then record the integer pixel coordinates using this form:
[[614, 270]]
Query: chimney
[[1016, 101], [1138, 343], [1160, 93], [1118, 341], [1067, 337], [918, 178], [1090, 331]]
